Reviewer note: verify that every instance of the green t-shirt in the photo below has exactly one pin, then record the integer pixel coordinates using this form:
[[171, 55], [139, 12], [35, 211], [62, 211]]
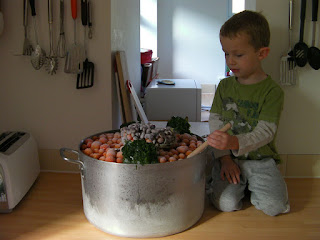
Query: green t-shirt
[[245, 105]]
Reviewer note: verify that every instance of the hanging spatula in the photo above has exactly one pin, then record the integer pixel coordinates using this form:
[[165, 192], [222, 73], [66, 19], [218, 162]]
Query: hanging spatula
[[287, 62], [86, 78]]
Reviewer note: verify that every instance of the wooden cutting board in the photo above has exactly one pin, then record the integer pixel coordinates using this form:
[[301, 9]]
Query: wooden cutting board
[[123, 75]]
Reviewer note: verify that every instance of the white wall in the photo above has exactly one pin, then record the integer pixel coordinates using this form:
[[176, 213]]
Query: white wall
[[125, 36], [50, 107], [299, 126], [58, 115], [188, 39]]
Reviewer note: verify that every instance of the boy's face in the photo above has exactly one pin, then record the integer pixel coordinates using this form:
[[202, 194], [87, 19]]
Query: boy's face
[[242, 58]]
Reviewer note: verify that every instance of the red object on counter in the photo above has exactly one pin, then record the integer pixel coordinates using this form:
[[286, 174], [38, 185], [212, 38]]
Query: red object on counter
[[146, 55]]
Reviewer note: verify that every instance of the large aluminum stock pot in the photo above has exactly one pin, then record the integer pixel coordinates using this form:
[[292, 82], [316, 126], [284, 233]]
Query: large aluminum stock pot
[[151, 200]]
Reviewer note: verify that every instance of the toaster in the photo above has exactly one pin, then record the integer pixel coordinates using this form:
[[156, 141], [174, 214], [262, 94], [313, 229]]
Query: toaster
[[19, 167]]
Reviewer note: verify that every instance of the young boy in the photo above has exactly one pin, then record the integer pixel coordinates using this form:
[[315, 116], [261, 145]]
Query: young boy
[[252, 102]]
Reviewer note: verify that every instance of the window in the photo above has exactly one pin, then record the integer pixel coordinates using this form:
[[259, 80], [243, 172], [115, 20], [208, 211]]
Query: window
[[148, 25]]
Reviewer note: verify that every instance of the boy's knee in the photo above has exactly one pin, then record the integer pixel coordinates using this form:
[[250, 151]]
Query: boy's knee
[[273, 207], [226, 204]]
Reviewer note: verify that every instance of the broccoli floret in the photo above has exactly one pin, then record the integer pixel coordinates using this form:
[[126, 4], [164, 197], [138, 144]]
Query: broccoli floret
[[179, 124], [139, 152]]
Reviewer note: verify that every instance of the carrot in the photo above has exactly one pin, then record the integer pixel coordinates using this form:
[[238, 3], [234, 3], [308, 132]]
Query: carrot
[[103, 140], [111, 152], [192, 146], [87, 151], [88, 140], [96, 155], [186, 140], [162, 159], [185, 136], [119, 160], [188, 152], [117, 145], [119, 155], [96, 145], [110, 159], [174, 151], [193, 138], [182, 149], [104, 146], [117, 135]]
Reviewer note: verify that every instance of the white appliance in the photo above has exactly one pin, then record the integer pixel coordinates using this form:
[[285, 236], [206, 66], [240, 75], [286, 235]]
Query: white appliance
[[19, 167], [182, 99]]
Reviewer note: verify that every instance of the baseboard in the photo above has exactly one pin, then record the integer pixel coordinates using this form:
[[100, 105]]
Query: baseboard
[[50, 160], [300, 165]]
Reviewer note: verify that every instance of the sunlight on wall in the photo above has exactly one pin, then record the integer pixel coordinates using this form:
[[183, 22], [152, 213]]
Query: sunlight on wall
[[148, 25], [238, 6], [195, 50]]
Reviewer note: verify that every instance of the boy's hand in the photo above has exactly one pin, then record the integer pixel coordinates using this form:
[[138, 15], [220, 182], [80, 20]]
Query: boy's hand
[[223, 141], [230, 170]]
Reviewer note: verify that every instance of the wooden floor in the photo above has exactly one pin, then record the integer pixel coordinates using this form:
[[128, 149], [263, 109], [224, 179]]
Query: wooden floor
[[53, 210]]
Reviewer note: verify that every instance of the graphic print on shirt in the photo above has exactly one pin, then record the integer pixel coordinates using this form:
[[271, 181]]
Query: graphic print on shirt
[[237, 110]]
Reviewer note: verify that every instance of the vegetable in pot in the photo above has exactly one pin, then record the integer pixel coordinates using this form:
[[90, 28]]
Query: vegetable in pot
[[179, 124], [126, 124], [139, 152], [160, 137]]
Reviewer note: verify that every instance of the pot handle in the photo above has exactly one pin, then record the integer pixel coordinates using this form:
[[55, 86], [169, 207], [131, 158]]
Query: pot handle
[[77, 161]]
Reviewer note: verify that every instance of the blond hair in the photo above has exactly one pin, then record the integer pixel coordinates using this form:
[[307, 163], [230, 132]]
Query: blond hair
[[254, 24]]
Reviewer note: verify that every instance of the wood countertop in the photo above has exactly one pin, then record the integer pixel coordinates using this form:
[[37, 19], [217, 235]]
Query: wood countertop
[[52, 209]]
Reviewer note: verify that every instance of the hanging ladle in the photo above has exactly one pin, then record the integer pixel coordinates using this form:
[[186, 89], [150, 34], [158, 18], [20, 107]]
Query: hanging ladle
[[314, 52]]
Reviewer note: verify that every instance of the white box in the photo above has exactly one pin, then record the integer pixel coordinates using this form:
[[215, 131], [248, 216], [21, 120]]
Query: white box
[[182, 99]]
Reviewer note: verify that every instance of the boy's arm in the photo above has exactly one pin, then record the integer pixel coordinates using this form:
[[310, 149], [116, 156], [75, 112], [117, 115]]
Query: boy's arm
[[230, 171], [261, 135], [216, 123], [241, 144]]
